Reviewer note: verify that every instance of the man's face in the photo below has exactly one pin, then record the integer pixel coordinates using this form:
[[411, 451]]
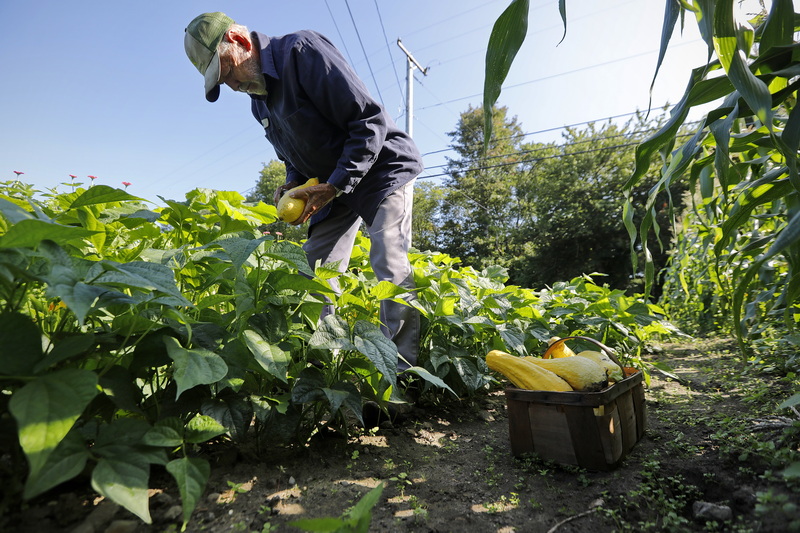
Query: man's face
[[240, 70]]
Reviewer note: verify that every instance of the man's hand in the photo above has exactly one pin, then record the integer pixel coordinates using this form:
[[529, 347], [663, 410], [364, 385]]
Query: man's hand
[[282, 189], [316, 197]]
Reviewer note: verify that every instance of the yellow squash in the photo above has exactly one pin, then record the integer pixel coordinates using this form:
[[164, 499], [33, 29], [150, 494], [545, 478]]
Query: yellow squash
[[556, 349], [290, 209], [524, 374], [613, 370], [581, 373]]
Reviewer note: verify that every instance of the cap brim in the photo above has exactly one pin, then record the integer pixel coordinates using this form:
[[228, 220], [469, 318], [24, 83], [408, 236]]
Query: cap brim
[[212, 78], [213, 94]]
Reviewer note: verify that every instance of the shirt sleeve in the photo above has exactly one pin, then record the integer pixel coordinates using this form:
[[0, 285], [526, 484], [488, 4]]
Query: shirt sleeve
[[342, 98], [292, 174]]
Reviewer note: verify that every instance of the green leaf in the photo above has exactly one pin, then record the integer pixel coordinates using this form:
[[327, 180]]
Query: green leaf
[[759, 192], [319, 525], [65, 348], [370, 341], [788, 236], [79, 297], [203, 428], [779, 27], [792, 471], [89, 221], [673, 10], [125, 483], [194, 367], [790, 402], [282, 280], [513, 337], [505, 41], [232, 411], [21, 341], [430, 378], [120, 386], [46, 409], [344, 393], [67, 461], [386, 289], [29, 233], [332, 334], [143, 275], [101, 194], [167, 433], [191, 475], [728, 43], [239, 248], [292, 254], [363, 509], [13, 212], [270, 357], [308, 386]]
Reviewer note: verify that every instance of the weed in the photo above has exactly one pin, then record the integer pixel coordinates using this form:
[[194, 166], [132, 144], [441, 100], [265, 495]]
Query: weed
[[419, 508], [490, 473], [771, 503], [402, 481], [657, 504]]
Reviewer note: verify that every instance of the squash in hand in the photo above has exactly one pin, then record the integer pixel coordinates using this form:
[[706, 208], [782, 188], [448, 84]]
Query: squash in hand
[[290, 209]]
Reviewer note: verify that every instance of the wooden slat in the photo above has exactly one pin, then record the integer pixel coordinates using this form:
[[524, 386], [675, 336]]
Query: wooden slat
[[587, 438], [519, 427], [627, 419], [640, 408], [609, 429], [551, 438]]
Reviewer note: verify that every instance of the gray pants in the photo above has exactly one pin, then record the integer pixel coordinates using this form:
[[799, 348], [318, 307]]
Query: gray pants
[[332, 240]]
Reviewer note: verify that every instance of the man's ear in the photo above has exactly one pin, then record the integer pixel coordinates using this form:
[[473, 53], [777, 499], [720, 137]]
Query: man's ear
[[233, 36]]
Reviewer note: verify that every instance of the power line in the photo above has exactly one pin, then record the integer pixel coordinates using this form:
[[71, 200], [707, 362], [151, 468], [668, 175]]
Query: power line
[[550, 146], [548, 130], [556, 156], [364, 50], [388, 48], [341, 39]]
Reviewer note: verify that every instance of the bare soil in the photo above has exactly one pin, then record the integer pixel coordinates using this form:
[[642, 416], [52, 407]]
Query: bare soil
[[449, 468]]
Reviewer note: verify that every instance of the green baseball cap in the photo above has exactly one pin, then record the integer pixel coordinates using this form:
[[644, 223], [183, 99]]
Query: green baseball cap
[[203, 35]]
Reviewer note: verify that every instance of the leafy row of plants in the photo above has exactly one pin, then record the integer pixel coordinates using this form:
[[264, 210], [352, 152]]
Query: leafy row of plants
[[134, 336]]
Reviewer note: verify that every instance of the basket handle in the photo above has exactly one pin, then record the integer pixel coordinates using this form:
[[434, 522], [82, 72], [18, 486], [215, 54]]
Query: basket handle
[[608, 351]]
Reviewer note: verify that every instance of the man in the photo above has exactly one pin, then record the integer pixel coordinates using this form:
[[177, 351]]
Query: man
[[323, 123]]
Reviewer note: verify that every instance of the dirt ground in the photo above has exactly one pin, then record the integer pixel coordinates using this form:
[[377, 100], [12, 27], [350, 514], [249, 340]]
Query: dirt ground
[[449, 468]]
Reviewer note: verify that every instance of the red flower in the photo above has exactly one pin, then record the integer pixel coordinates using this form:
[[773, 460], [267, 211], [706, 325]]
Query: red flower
[[126, 183], [73, 176], [17, 172], [92, 178]]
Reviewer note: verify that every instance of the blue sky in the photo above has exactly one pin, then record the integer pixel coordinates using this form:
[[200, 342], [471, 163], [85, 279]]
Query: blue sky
[[104, 88]]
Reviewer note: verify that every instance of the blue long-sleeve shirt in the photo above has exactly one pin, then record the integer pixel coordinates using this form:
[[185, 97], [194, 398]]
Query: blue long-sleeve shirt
[[323, 123]]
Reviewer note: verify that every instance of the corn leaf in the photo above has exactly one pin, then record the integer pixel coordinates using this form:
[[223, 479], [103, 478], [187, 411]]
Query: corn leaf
[[505, 41]]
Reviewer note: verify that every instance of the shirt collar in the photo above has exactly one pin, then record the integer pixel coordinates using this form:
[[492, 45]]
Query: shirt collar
[[265, 49]]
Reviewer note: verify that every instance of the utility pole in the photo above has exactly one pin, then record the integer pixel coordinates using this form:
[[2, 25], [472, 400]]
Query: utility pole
[[411, 63]]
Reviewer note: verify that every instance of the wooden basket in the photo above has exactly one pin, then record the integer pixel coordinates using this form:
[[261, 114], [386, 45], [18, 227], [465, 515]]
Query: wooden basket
[[592, 430]]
